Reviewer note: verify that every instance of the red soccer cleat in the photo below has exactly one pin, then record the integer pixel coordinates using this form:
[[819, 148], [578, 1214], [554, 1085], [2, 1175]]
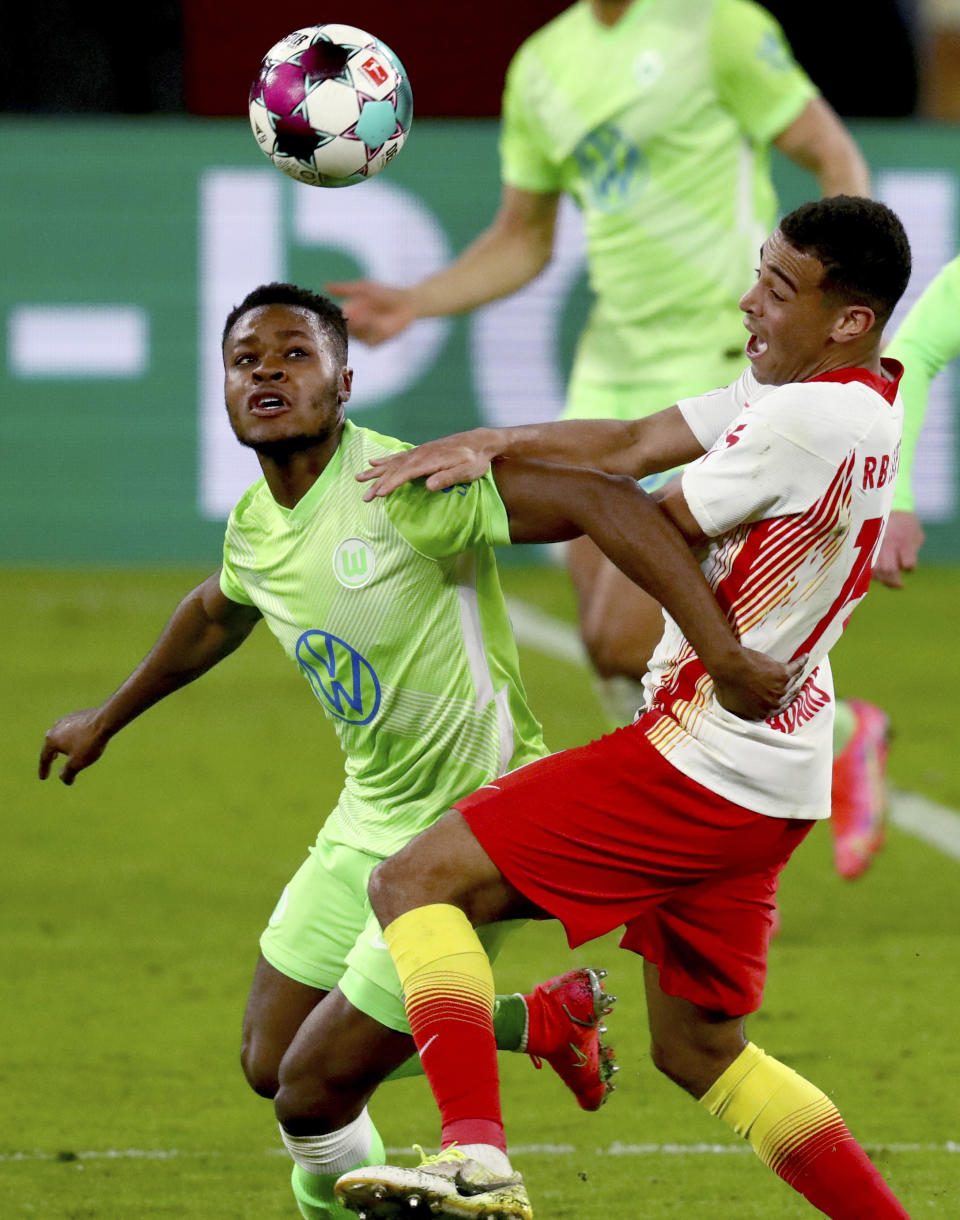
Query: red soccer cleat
[[859, 794], [563, 1028]]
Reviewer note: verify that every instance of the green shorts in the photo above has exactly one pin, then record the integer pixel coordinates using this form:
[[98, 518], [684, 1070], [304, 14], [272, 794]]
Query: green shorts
[[323, 933], [623, 372]]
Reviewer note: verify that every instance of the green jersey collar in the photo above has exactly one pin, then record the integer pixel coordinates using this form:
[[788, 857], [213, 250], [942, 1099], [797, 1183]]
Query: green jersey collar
[[304, 509]]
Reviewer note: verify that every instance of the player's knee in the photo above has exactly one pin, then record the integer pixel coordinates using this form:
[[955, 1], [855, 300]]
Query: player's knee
[[391, 890], [611, 653], [311, 1101], [260, 1067], [694, 1065], [676, 1062]]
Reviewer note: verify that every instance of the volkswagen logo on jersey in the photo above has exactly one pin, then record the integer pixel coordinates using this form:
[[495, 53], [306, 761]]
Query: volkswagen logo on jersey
[[341, 678]]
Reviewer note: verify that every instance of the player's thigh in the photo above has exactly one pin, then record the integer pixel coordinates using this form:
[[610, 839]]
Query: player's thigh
[[370, 981]]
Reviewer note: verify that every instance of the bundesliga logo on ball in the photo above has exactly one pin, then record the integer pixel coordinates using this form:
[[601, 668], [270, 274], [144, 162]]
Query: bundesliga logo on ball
[[331, 105]]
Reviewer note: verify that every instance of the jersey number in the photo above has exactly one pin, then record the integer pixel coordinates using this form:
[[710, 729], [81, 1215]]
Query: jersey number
[[856, 584]]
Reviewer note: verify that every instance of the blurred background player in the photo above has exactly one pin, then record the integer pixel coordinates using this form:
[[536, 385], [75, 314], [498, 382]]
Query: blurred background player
[[393, 613], [926, 341], [669, 166]]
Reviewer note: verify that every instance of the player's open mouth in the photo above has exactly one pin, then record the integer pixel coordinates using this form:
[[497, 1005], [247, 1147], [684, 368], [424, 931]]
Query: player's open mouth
[[755, 347], [267, 404]]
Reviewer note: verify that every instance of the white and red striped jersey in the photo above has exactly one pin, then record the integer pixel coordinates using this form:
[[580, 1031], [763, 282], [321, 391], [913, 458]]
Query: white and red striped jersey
[[793, 495]]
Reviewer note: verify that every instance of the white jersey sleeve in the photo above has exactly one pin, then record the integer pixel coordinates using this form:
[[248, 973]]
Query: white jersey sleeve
[[709, 415]]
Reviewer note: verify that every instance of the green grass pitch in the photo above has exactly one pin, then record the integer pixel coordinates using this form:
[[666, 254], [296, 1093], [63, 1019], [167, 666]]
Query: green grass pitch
[[133, 902]]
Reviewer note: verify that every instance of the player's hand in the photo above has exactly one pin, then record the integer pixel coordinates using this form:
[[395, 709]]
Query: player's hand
[[899, 549], [375, 312], [80, 737], [758, 687], [460, 458]]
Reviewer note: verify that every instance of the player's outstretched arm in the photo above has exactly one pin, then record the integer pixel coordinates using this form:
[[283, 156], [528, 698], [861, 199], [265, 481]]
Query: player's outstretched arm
[[204, 628], [818, 141], [511, 252], [635, 447], [547, 503]]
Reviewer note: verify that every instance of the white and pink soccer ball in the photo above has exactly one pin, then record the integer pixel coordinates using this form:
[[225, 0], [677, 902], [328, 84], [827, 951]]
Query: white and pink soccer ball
[[331, 105]]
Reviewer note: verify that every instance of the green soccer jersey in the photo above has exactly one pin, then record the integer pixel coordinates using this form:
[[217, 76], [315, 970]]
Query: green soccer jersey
[[927, 340], [659, 127], [393, 612]]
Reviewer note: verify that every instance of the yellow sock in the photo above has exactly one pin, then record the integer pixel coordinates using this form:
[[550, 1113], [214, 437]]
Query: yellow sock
[[435, 947], [774, 1108], [448, 992], [797, 1131]]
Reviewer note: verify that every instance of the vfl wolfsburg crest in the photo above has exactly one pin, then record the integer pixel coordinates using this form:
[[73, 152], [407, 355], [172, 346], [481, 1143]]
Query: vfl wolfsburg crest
[[354, 563]]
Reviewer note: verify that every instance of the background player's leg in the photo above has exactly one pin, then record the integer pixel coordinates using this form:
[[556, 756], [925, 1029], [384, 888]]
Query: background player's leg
[[861, 739], [791, 1125], [276, 1008], [620, 626]]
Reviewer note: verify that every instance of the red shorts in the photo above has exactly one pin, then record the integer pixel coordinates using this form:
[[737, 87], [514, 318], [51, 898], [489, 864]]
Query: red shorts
[[610, 833]]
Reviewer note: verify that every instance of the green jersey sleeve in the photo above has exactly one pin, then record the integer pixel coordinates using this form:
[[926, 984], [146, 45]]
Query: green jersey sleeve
[[439, 524], [230, 585], [756, 76], [927, 340], [524, 160]]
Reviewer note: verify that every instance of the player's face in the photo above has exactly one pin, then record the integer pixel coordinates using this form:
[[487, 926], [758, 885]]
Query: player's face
[[789, 319], [284, 383]]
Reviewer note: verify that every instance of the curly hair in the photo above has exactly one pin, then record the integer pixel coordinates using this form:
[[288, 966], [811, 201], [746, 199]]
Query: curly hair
[[326, 311]]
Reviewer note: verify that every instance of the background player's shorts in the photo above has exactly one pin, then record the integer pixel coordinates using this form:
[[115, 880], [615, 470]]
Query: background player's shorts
[[324, 934], [629, 372], [612, 834]]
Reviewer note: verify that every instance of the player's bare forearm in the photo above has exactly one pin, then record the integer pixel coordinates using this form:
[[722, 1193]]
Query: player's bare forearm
[[549, 503], [634, 447], [900, 549], [506, 256], [205, 628]]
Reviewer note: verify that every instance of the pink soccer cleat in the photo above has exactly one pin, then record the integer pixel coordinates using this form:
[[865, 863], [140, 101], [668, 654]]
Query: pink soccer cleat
[[859, 793], [563, 1028]]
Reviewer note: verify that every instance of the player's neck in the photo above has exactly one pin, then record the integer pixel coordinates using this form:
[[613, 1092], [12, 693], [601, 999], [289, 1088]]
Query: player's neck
[[866, 357], [291, 468], [609, 12]]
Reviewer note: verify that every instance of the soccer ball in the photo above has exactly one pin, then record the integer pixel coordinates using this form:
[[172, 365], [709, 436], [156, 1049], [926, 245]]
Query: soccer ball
[[331, 105]]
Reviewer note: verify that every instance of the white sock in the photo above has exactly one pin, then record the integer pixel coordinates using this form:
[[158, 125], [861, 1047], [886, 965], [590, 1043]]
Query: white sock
[[333, 1153], [489, 1156]]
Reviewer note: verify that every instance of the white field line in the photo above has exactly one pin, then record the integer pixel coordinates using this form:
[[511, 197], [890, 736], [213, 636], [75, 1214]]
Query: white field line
[[616, 1149], [934, 824]]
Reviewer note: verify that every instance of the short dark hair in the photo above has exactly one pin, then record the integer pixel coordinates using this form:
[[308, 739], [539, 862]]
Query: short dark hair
[[862, 246], [327, 312]]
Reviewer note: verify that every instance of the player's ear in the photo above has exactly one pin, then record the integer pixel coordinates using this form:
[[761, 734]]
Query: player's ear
[[853, 322], [344, 384]]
